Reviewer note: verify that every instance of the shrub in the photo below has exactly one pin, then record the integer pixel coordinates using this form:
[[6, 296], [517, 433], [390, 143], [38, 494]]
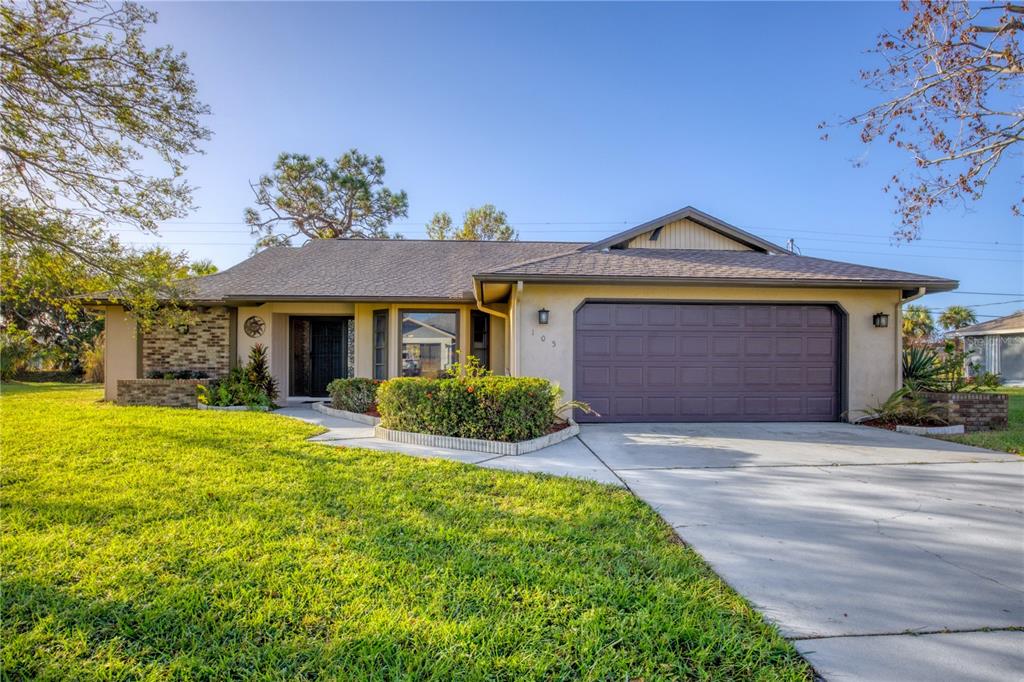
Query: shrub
[[488, 407], [354, 395], [234, 389], [17, 348], [905, 407], [258, 371], [92, 360], [250, 385]]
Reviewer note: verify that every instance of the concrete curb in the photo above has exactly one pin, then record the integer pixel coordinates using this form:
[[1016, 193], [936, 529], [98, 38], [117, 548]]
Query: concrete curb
[[492, 447], [324, 408]]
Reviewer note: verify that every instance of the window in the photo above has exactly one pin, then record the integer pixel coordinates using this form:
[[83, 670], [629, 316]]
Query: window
[[481, 345], [380, 344], [429, 341]]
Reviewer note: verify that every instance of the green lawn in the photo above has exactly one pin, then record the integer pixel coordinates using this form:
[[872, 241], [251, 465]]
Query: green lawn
[[156, 543], [1010, 439]]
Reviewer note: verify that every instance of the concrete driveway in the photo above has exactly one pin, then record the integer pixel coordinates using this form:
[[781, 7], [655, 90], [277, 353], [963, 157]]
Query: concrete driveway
[[882, 556]]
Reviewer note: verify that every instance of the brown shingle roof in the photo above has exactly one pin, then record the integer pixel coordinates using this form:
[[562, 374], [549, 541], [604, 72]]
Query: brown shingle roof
[[369, 269], [1012, 322], [714, 266]]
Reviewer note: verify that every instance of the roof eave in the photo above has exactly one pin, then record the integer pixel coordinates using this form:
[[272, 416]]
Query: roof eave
[[930, 286]]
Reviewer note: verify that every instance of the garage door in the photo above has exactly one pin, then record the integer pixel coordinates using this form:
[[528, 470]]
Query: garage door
[[707, 362]]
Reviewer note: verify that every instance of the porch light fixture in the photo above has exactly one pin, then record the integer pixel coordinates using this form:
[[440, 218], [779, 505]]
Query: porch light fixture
[[182, 328], [880, 320], [542, 316]]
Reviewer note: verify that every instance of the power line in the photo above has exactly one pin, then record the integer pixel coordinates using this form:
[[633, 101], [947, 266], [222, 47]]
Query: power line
[[548, 223]]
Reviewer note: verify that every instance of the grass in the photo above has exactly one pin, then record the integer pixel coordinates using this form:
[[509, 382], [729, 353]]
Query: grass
[[151, 543], [1010, 439]]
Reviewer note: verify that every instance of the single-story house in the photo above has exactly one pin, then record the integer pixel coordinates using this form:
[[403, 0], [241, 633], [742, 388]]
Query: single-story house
[[998, 347], [682, 318]]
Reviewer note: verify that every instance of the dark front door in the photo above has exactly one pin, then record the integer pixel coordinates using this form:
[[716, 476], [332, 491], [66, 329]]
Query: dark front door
[[319, 353], [707, 362]]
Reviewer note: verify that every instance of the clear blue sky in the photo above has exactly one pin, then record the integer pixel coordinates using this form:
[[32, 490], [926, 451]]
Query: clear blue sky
[[578, 120]]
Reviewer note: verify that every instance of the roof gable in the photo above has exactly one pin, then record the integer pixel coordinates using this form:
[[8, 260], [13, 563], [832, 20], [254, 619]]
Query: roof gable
[[683, 223]]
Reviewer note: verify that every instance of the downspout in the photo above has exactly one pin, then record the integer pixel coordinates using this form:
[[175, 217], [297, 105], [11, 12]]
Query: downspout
[[478, 294], [921, 291], [518, 328]]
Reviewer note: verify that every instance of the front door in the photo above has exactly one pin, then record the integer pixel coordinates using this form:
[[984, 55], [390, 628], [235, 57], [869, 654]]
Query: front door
[[319, 354]]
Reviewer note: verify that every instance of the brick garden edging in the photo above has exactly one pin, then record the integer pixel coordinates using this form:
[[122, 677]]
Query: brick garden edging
[[324, 408], [493, 447], [159, 392], [977, 411]]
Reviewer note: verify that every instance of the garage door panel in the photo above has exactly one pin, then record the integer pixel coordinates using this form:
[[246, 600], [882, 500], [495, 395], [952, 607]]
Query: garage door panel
[[694, 407], [820, 346], [694, 316], [595, 345], [661, 346], [821, 405], [707, 362], [629, 377], [789, 346], [661, 315], [693, 376], [660, 375], [629, 316], [725, 346]]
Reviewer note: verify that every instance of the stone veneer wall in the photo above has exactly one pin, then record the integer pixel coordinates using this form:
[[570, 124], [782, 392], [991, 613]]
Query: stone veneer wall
[[205, 347], [977, 411], [160, 392]]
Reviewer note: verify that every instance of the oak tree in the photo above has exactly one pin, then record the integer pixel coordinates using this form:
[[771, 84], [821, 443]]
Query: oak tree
[[95, 128], [953, 79]]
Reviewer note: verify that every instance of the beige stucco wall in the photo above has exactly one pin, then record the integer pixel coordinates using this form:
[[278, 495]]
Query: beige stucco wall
[[275, 317], [547, 350], [122, 342], [121, 353]]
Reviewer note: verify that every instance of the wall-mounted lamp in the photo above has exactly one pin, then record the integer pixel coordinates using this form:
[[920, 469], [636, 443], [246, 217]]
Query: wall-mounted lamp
[[880, 320], [182, 328], [542, 316]]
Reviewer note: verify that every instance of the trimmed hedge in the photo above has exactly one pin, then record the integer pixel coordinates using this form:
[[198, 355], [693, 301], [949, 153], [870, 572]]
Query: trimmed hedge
[[500, 408], [355, 395]]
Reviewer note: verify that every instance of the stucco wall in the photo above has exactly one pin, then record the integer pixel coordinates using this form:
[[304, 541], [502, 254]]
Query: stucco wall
[[275, 336], [120, 355], [547, 350]]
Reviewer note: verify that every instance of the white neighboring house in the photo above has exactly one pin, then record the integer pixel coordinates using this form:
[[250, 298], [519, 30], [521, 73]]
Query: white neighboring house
[[999, 346]]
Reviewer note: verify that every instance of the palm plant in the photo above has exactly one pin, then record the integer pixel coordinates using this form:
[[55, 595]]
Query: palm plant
[[957, 317], [918, 324]]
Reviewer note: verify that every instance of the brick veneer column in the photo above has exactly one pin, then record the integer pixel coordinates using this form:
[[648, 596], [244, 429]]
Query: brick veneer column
[[205, 347]]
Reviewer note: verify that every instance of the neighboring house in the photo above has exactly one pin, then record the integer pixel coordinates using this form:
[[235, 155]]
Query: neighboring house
[[683, 318], [998, 346]]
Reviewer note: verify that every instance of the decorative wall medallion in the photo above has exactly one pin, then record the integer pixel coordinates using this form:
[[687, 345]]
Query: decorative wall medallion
[[254, 326]]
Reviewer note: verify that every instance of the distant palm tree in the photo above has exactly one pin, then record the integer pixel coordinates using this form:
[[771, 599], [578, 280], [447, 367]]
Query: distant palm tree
[[918, 324], [957, 317]]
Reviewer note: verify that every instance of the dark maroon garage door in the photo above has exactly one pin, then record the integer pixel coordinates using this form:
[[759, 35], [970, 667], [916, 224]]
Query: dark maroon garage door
[[707, 362]]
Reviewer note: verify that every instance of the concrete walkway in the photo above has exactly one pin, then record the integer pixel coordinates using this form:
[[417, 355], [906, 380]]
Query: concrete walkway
[[882, 556]]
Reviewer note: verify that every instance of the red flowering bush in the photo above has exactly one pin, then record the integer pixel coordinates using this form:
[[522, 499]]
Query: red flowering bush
[[490, 407]]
